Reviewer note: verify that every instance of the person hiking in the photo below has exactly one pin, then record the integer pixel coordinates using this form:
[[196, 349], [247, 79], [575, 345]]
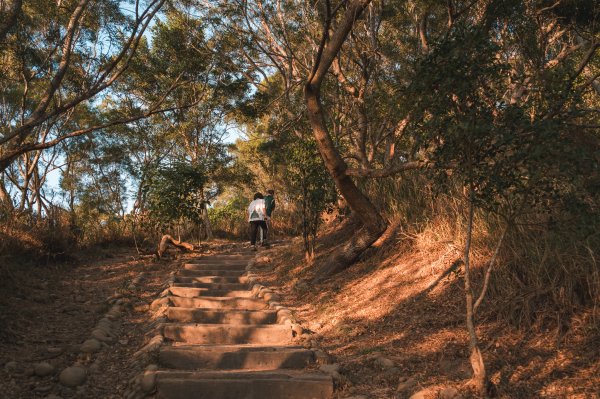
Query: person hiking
[[257, 217], [269, 206], [269, 203]]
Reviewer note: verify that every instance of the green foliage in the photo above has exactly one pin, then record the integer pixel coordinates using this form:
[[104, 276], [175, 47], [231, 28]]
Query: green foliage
[[228, 216], [512, 154], [175, 193], [308, 183]]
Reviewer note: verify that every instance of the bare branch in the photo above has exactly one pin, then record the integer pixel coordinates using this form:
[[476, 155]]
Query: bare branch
[[488, 269]]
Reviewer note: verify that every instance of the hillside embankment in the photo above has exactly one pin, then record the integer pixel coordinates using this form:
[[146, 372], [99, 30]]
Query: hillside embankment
[[394, 322]]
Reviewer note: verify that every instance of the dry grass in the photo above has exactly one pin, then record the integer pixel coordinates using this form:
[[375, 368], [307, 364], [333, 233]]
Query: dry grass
[[405, 301]]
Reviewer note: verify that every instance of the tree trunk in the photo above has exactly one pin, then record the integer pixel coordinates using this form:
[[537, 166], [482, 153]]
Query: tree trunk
[[206, 222], [361, 206], [479, 378], [5, 199]]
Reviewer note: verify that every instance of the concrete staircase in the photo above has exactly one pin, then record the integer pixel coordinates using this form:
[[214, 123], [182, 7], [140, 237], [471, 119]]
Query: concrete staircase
[[223, 343]]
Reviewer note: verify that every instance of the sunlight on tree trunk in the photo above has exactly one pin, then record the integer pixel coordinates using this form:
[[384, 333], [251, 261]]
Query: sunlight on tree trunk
[[479, 378]]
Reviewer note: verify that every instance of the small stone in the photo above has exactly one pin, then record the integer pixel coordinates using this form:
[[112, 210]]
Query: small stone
[[123, 341], [73, 376], [449, 393], [140, 307], [263, 259], [384, 362], [271, 297], [131, 287], [420, 395], [91, 346], [317, 326], [148, 381], [297, 328], [43, 369], [42, 389], [105, 329], [256, 288], [105, 322], [330, 368], [112, 315], [101, 335], [406, 384], [158, 303], [94, 368], [12, 367], [321, 357]]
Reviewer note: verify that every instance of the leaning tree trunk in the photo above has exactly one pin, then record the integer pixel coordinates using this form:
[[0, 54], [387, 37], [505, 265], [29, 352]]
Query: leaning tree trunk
[[373, 223]]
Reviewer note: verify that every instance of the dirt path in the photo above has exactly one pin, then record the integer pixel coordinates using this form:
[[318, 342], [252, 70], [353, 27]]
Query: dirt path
[[77, 332], [48, 312]]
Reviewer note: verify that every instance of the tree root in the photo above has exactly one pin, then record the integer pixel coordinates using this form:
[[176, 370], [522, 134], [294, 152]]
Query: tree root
[[348, 254], [164, 242]]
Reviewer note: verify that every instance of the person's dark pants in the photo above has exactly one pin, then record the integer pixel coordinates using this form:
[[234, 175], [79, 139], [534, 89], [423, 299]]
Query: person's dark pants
[[254, 226]]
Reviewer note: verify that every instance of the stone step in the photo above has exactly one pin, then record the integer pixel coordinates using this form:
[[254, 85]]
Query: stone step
[[218, 261], [228, 334], [192, 292], [231, 357], [219, 280], [206, 273], [213, 266], [243, 385], [219, 303], [193, 315], [222, 258], [189, 282]]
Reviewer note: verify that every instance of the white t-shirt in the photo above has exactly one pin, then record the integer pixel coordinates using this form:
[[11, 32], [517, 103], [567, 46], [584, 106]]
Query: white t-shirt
[[256, 210]]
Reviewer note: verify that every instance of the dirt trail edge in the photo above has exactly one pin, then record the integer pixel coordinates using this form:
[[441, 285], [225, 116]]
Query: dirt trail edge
[[225, 337]]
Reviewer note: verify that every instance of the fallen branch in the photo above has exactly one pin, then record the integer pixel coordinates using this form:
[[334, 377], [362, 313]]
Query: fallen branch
[[166, 239]]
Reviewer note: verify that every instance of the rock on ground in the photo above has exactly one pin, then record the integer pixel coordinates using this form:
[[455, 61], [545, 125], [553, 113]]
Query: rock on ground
[[73, 376], [43, 369]]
